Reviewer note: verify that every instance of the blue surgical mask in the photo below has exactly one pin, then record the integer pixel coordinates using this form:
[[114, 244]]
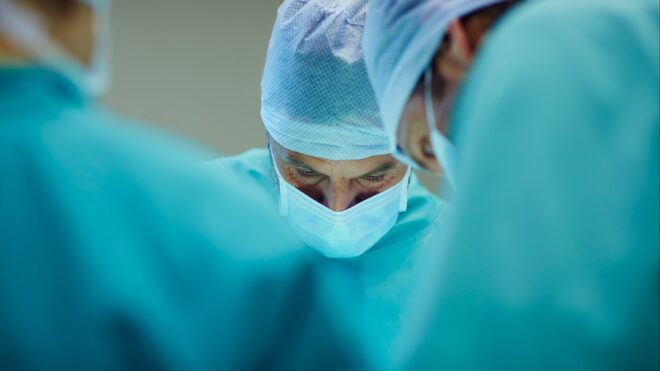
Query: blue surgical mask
[[444, 150], [342, 234], [28, 31]]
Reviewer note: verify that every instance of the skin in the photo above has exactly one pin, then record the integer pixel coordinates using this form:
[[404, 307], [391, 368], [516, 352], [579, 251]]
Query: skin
[[450, 66], [339, 184], [70, 25]]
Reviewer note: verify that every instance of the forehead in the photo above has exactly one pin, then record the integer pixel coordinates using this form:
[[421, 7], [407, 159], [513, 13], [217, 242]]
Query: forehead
[[334, 168]]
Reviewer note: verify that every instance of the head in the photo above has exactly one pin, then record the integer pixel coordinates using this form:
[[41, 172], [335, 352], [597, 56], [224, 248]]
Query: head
[[70, 36], [337, 184], [444, 45], [448, 68], [324, 126], [68, 22]]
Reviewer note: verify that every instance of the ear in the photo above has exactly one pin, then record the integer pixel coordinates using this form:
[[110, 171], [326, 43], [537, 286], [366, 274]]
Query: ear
[[459, 43]]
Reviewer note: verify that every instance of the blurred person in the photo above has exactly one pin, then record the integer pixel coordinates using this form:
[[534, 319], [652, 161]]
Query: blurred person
[[115, 254], [327, 167], [549, 128], [425, 55]]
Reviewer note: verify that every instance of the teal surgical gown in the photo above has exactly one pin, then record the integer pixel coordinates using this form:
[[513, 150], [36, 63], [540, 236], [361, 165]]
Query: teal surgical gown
[[389, 269], [117, 254], [552, 256]]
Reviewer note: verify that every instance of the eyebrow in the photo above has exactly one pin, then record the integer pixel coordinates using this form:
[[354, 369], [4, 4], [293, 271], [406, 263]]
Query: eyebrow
[[297, 163], [386, 166]]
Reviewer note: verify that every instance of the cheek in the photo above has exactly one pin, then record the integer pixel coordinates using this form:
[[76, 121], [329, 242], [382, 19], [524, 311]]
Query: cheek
[[387, 183], [414, 112], [444, 108], [413, 128]]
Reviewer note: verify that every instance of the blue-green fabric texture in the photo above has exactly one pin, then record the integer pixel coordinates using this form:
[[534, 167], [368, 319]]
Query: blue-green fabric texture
[[116, 252], [552, 250], [389, 270]]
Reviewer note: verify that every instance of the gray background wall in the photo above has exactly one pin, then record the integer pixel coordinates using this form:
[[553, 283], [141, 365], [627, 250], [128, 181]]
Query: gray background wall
[[193, 67]]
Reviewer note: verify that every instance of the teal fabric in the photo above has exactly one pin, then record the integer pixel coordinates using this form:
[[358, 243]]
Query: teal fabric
[[117, 253], [552, 256], [389, 270]]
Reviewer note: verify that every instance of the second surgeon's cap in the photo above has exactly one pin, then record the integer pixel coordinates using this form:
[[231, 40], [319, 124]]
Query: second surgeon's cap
[[401, 38], [316, 95]]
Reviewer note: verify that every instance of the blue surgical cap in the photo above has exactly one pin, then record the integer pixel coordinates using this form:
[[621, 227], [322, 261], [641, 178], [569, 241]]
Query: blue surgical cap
[[401, 37], [316, 95]]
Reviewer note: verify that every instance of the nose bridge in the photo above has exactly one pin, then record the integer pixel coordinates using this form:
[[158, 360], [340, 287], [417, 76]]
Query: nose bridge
[[339, 195]]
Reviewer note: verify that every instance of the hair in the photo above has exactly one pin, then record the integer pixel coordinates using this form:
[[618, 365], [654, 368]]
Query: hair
[[476, 23], [480, 20], [490, 14], [56, 6]]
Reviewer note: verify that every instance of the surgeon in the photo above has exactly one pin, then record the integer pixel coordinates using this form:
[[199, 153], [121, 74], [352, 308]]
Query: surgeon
[[115, 254], [547, 120], [328, 168], [419, 64]]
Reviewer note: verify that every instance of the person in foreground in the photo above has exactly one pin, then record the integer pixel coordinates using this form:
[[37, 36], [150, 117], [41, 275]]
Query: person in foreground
[[116, 254], [550, 127], [327, 167]]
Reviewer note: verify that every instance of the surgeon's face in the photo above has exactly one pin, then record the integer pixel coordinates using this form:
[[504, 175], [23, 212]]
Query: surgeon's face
[[448, 70], [338, 185], [413, 135]]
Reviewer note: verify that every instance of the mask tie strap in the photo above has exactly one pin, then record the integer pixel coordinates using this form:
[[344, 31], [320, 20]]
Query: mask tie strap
[[428, 100], [442, 148], [403, 201], [284, 199]]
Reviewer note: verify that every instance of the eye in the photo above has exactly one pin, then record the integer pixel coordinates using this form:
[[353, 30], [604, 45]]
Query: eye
[[307, 173], [374, 178]]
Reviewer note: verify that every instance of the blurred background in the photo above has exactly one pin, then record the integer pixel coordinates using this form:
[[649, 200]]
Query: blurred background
[[194, 67]]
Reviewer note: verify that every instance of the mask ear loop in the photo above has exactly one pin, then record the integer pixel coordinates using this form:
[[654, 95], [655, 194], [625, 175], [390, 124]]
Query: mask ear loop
[[100, 72], [428, 101], [438, 140], [284, 199], [405, 183]]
